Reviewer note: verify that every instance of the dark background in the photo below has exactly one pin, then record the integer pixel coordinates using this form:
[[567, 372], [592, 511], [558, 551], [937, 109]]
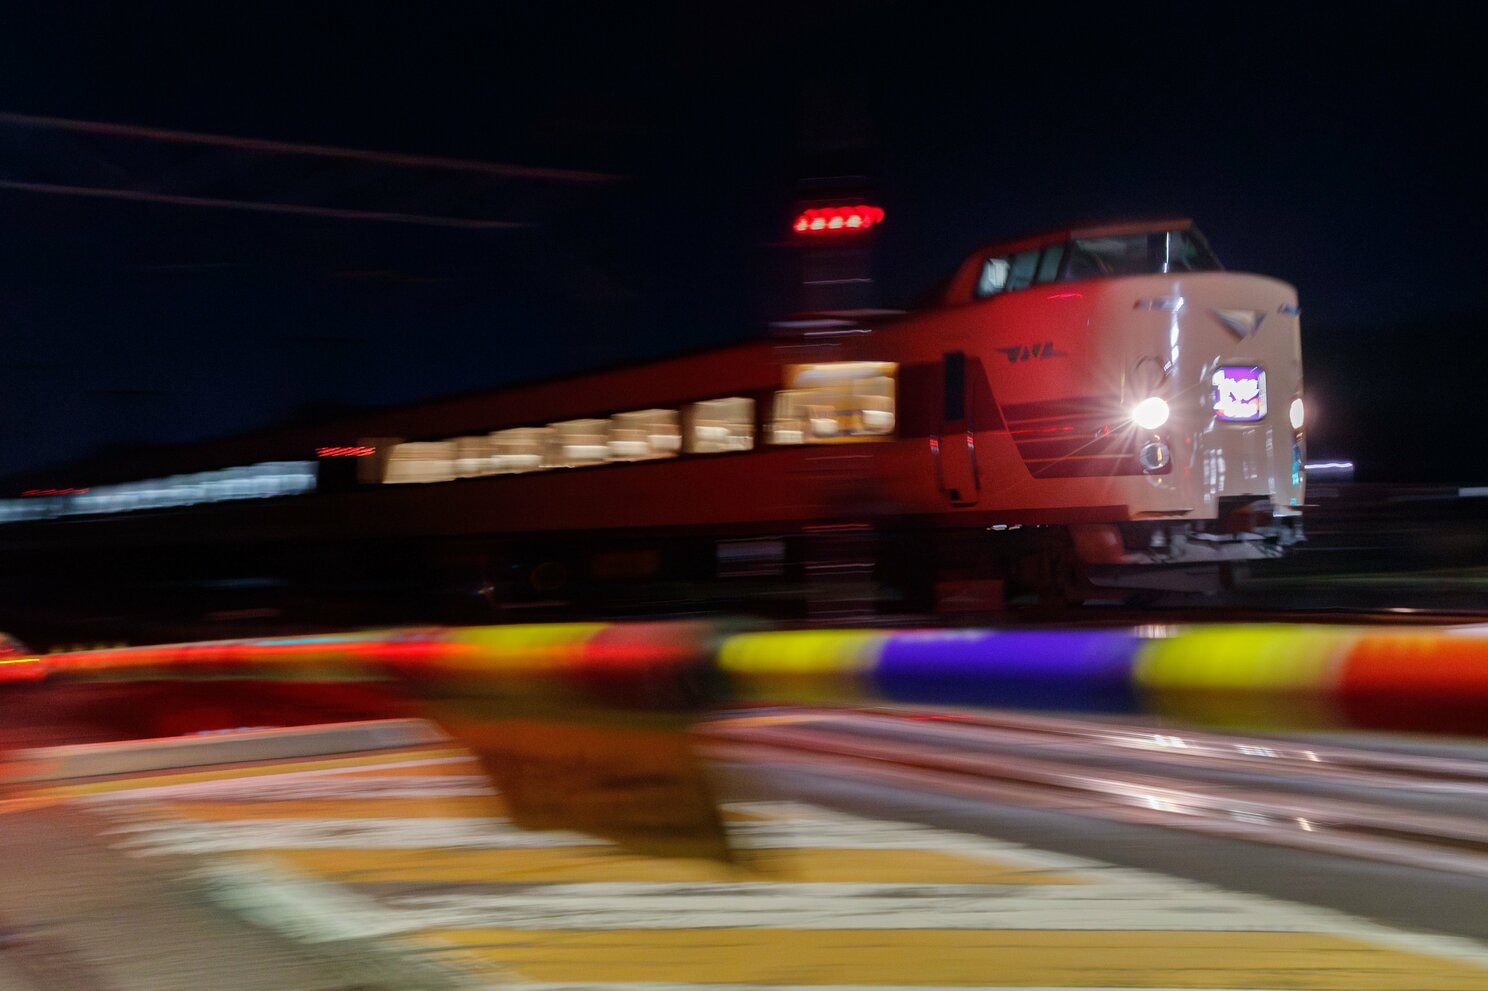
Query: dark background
[[1334, 148]]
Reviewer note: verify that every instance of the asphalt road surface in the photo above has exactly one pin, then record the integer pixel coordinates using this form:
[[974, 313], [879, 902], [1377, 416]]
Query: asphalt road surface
[[872, 849]]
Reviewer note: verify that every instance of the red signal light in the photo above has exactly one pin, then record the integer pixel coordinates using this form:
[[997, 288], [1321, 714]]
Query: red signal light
[[837, 219]]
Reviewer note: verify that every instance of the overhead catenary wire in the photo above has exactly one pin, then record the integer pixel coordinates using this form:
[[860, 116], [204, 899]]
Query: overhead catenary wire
[[138, 132], [140, 196]]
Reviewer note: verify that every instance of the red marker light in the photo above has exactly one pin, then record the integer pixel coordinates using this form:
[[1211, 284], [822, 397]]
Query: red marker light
[[837, 218]]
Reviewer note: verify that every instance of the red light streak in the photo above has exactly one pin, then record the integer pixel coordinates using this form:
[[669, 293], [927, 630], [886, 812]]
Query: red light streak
[[345, 452], [52, 492]]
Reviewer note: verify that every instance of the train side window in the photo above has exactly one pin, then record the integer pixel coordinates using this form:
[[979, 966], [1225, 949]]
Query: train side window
[[1048, 268], [519, 449], [421, 461], [835, 402], [1022, 266], [994, 277], [788, 424], [473, 456], [719, 425], [651, 433], [578, 442]]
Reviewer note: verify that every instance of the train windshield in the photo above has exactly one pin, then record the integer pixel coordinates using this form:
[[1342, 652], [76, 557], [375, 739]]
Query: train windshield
[[1143, 253], [1139, 254]]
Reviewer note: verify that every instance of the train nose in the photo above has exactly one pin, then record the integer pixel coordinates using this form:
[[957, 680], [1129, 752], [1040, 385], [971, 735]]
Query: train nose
[[1244, 323], [1249, 388]]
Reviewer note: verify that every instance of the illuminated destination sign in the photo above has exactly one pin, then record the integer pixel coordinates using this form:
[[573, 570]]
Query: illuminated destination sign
[[1239, 393]]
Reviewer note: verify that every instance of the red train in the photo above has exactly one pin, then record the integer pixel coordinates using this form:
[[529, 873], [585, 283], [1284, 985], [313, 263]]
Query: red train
[[1097, 407]]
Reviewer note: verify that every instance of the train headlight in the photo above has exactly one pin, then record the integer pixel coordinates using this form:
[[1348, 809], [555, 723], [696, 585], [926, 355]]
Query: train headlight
[[1296, 414], [1150, 413]]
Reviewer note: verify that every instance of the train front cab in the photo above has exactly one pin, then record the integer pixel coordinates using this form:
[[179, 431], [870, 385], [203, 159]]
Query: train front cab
[[1147, 394]]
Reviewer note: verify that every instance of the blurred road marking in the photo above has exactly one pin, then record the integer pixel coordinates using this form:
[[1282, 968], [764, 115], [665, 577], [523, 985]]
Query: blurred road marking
[[454, 765], [329, 765], [827, 906], [424, 807], [295, 788], [247, 807], [1130, 959], [251, 830], [27, 803], [228, 836], [569, 865], [414, 848], [507, 984]]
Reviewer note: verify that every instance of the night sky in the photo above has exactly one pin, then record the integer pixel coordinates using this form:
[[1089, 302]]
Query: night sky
[[1332, 147]]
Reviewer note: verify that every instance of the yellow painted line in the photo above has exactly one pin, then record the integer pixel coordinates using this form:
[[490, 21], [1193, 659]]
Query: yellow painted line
[[136, 782], [453, 768], [458, 806], [779, 719], [455, 806], [590, 864], [1036, 958], [26, 803]]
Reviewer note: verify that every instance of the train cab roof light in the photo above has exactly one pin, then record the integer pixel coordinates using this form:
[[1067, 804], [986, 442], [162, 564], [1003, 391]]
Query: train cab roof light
[[838, 219]]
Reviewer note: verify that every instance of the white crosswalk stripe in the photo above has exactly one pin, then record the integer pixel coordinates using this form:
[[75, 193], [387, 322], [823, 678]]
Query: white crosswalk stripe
[[257, 865]]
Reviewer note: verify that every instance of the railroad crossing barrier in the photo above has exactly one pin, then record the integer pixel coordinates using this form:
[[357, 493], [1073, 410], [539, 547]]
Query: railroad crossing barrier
[[1259, 675], [583, 726]]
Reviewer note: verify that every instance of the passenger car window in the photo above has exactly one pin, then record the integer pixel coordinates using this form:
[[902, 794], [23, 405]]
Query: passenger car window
[[718, 425], [832, 402]]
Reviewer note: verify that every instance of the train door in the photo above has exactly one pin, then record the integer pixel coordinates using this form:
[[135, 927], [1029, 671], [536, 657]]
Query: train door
[[956, 468]]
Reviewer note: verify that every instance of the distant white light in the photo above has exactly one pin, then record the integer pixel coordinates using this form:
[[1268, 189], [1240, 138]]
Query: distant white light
[[1150, 413], [1296, 413], [1321, 465]]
